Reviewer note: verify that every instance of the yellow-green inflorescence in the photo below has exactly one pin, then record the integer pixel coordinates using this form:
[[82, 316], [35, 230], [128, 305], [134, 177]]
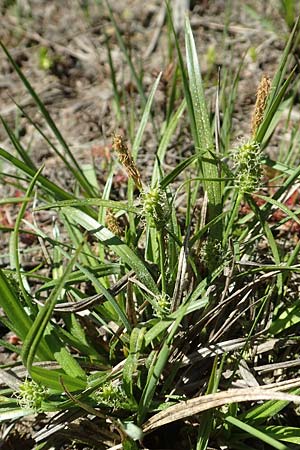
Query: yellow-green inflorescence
[[163, 305], [211, 253], [31, 395], [155, 206], [110, 395], [248, 164]]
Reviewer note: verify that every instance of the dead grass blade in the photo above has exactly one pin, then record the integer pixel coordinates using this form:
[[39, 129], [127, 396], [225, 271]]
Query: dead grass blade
[[204, 403]]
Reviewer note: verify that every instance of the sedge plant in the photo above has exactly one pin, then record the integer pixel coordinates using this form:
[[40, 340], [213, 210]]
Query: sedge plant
[[155, 323]]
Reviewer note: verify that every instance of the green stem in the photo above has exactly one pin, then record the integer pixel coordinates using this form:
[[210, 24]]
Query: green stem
[[232, 217], [162, 259]]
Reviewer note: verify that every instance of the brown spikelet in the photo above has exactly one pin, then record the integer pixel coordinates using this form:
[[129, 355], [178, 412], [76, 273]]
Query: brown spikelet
[[112, 223], [260, 104], [120, 147]]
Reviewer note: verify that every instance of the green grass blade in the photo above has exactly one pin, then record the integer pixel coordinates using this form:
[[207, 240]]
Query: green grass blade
[[100, 288], [280, 206], [204, 136], [204, 143], [168, 179], [206, 424], [35, 334], [14, 414], [135, 148], [258, 414], [185, 83], [117, 96], [127, 56], [273, 109], [47, 185], [227, 106], [16, 143], [105, 202], [144, 120], [257, 434], [101, 270], [154, 374], [157, 368], [103, 207], [14, 310], [13, 200], [51, 379], [278, 86], [161, 325], [115, 244], [283, 433], [15, 242], [289, 317], [281, 71], [78, 173], [136, 345], [166, 137], [76, 338], [271, 241], [51, 188]]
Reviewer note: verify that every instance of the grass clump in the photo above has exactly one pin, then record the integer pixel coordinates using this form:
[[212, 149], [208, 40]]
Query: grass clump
[[168, 305]]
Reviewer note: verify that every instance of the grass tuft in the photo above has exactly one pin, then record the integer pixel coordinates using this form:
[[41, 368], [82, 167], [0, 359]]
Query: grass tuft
[[161, 299]]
